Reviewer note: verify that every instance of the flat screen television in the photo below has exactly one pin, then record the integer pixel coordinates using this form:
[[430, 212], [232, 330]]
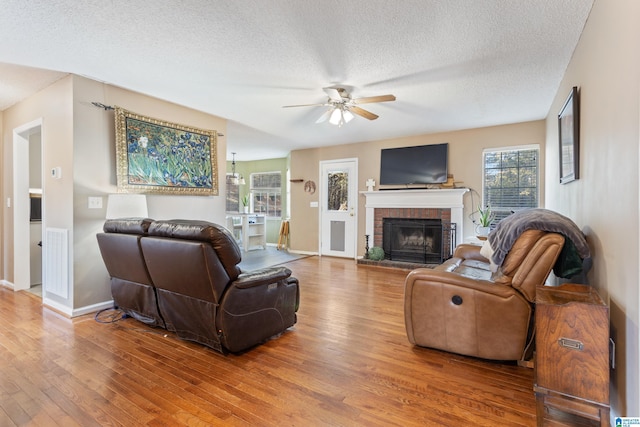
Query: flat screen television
[[423, 164]]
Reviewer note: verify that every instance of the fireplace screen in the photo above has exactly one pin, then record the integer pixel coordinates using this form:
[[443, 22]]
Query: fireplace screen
[[425, 241]]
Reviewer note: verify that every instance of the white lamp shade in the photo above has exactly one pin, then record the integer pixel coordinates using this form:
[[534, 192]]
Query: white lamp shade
[[127, 206], [336, 117], [348, 116]]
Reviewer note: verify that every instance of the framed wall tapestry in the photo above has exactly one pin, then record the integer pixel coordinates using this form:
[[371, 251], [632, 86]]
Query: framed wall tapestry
[[569, 138], [153, 156]]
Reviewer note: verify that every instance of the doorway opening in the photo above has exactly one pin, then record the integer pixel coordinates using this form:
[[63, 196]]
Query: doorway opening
[[28, 197]]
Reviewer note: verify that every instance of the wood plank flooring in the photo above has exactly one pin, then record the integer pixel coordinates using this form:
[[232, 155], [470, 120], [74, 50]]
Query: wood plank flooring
[[255, 259], [347, 362]]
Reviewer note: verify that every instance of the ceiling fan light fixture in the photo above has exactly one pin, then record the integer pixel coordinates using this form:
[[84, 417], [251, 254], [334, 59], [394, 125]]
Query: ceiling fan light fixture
[[343, 108], [325, 116], [347, 115], [336, 117]]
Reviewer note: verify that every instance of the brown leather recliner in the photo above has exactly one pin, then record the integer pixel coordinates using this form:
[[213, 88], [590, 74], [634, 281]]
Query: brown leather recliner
[[131, 286], [463, 307], [200, 292]]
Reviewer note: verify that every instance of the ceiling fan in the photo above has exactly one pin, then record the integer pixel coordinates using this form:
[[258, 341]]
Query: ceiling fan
[[342, 107]]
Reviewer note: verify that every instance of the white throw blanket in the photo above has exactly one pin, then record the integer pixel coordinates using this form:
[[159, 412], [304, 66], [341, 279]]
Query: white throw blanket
[[487, 251]]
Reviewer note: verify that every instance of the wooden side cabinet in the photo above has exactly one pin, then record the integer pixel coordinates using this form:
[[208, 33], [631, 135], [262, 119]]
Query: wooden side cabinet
[[572, 353]]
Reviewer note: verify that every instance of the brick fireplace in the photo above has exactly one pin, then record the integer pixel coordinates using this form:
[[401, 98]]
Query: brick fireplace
[[444, 204], [406, 213], [416, 239]]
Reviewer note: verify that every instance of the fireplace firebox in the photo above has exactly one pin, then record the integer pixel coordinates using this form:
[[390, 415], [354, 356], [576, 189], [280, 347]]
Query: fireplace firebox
[[417, 240]]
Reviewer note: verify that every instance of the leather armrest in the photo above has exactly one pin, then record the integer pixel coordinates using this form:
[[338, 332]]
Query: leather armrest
[[261, 277], [467, 251], [428, 276]]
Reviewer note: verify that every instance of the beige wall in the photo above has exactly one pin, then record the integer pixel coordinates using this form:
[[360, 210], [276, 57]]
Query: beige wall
[[465, 163], [2, 200], [54, 107], [606, 68], [95, 139], [80, 138]]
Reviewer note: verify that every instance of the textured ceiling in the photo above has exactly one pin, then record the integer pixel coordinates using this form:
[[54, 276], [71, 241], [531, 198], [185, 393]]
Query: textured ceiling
[[452, 64]]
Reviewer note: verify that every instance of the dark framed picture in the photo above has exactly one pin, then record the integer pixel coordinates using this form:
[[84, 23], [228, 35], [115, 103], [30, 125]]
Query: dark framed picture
[[569, 138], [154, 156]]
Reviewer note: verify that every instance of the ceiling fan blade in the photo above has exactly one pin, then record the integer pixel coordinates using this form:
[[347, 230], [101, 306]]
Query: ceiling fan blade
[[368, 99], [363, 113], [324, 117], [306, 105], [333, 93]]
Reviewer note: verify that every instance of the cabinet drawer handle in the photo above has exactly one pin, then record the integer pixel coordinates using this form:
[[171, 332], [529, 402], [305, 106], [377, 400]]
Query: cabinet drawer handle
[[571, 344]]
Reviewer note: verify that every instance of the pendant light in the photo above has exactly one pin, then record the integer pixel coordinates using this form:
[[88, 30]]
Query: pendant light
[[236, 179]]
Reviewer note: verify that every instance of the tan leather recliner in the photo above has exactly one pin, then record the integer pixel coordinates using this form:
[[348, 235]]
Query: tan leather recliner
[[462, 307]]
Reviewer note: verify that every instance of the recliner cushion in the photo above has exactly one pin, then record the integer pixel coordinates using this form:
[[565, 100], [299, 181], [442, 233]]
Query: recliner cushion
[[138, 226], [221, 239]]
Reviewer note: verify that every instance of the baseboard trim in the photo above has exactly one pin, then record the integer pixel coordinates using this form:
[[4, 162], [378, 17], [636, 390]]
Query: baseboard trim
[[93, 308], [56, 306], [7, 284], [75, 312], [302, 252]]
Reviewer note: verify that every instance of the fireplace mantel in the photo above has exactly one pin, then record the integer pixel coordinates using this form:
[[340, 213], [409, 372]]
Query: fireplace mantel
[[439, 199]]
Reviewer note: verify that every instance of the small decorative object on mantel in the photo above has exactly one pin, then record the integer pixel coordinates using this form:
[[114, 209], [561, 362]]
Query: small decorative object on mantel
[[484, 222], [449, 183], [370, 183]]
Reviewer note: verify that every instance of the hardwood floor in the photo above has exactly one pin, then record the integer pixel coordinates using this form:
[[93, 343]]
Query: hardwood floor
[[347, 362], [255, 259]]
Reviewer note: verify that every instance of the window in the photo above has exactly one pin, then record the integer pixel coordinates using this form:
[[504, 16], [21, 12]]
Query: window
[[233, 195], [266, 194], [338, 191], [510, 179]]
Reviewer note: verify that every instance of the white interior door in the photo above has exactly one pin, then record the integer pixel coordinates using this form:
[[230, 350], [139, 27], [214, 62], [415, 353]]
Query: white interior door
[[338, 207]]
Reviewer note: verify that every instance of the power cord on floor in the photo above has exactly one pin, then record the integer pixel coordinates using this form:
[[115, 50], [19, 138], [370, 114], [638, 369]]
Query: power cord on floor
[[109, 315], [114, 315]]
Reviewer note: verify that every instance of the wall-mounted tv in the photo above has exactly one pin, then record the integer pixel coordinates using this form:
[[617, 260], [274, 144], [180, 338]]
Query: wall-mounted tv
[[423, 164]]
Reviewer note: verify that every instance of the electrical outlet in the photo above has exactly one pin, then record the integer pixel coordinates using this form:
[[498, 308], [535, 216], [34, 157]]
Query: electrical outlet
[[95, 202]]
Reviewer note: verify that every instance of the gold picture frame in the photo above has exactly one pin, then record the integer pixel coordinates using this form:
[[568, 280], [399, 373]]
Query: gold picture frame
[[158, 157]]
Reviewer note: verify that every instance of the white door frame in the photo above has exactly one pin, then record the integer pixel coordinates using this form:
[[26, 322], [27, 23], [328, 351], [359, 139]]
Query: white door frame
[[21, 204], [353, 178]]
